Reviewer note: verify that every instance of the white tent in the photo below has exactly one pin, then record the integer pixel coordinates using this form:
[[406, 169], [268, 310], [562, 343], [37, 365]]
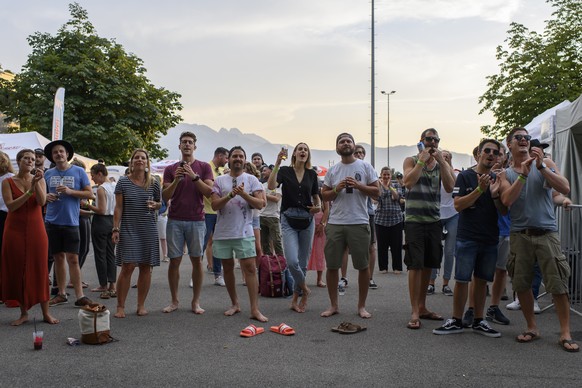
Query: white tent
[[568, 146], [12, 143]]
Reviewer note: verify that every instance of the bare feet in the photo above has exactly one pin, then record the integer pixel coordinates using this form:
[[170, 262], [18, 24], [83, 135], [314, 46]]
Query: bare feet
[[259, 317], [297, 308], [196, 309], [321, 284], [170, 308], [232, 310], [329, 312], [20, 321], [141, 311], [303, 302], [363, 313], [50, 319], [120, 313]]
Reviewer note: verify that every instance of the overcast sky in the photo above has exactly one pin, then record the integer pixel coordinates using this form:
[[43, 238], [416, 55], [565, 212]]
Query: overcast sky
[[299, 70]]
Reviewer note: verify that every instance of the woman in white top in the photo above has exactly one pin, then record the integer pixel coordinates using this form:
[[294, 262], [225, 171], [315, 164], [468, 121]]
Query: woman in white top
[[6, 171]]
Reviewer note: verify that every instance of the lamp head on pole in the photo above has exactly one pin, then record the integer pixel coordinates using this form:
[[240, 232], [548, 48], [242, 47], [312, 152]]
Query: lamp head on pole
[[386, 93]]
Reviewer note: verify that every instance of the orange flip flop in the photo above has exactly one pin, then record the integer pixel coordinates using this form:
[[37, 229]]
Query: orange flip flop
[[283, 329], [251, 331]]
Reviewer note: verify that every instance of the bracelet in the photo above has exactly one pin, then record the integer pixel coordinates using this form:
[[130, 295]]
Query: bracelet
[[421, 162], [116, 229], [29, 193], [480, 190], [334, 189], [230, 195], [522, 178]]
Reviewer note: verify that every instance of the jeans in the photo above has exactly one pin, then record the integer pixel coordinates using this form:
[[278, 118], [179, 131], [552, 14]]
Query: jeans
[[450, 225], [297, 248], [210, 220]]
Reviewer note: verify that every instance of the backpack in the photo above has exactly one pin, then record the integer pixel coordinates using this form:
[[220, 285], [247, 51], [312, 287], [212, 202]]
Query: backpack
[[272, 276]]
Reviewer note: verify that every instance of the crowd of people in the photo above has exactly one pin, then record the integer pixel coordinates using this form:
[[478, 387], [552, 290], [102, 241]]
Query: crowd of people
[[487, 221]]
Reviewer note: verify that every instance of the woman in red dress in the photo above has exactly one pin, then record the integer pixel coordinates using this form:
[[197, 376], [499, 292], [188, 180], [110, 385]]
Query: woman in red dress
[[24, 264]]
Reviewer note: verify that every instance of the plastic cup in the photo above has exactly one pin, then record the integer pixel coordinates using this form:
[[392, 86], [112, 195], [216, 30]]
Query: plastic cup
[[37, 337]]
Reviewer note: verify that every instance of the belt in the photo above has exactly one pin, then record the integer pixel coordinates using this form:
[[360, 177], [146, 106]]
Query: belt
[[535, 232]]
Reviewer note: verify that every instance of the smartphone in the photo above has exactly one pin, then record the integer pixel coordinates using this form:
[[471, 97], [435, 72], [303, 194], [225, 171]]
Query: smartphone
[[420, 146], [285, 153]]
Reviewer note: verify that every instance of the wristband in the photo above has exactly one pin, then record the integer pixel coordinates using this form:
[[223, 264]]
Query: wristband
[[196, 179], [480, 190], [276, 169], [29, 193], [230, 195], [421, 163], [334, 189], [522, 178], [116, 229]]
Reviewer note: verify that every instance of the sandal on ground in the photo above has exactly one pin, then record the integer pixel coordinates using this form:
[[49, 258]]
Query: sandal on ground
[[351, 328], [251, 331], [283, 329], [564, 342], [99, 289], [105, 295], [112, 294], [529, 337], [339, 327], [413, 324], [431, 316]]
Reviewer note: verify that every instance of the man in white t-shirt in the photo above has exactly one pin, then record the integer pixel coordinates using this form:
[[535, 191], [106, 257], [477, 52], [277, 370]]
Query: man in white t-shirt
[[234, 196], [348, 184]]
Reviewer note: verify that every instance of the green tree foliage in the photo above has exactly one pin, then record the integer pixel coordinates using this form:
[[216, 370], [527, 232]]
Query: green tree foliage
[[536, 71], [111, 107]]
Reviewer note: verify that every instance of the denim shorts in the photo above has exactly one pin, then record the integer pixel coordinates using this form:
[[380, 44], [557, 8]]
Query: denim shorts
[[240, 248], [188, 233], [475, 258]]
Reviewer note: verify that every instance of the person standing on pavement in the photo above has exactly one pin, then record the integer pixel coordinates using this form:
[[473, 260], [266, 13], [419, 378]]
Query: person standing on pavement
[[270, 217], [186, 183], [348, 184], [234, 195], [389, 223]]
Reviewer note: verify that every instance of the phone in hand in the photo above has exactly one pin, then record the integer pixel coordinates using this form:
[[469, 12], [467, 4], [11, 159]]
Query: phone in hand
[[420, 146]]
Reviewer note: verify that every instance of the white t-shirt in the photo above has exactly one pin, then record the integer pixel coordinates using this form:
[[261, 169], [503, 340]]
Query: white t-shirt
[[273, 209], [350, 209], [235, 219], [447, 203]]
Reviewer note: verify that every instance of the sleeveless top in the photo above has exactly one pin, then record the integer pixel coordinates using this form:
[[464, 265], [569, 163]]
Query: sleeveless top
[[423, 200]]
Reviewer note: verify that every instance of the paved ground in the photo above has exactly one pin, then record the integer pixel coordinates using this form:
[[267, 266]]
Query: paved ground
[[183, 349]]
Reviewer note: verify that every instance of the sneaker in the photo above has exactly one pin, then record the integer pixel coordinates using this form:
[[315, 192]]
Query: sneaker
[[468, 318], [341, 287], [494, 314], [537, 309], [451, 326], [430, 289], [58, 299], [515, 305], [373, 284], [483, 328], [191, 283], [83, 301], [345, 280], [447, 291], [219, 281]]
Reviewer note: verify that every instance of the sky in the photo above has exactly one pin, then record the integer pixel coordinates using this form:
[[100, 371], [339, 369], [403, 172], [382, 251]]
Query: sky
[[299, 70]]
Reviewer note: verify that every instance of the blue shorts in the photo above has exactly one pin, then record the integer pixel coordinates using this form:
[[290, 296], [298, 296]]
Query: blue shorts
[[188, 233], [475, 258], [240, 248]]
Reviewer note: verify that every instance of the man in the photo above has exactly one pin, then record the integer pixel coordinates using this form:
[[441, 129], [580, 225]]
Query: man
[[257, 160], [527, 189], [266, 171], [40, 158], [348, 184], [476, 196], [185, 185], [67, 185], [217, 165], [270, 215], [423, 175], [234, 197]]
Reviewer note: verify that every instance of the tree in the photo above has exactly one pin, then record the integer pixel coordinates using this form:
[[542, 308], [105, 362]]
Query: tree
[[536, 71], [111, 107]]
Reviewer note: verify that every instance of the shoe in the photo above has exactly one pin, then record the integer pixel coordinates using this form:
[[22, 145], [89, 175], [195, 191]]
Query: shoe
[[468, 318], [537, 309], [373, 284], [112, 293], [430, 289], [83, 301], [483, 328], [451, 326], [166, 259], [447, 291], [58, 299], [219, 281], [494, 314], [504, 296], [191, 283], [105, 295], [345, 280], [515, 305], [341, 288]]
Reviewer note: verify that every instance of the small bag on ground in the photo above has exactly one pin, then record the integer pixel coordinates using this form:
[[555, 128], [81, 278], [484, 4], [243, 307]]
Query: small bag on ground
[[272, 275], [94, 324]]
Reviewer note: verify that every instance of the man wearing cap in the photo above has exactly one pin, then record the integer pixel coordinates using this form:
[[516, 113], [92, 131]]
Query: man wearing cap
[[39, 160], [348, 184], [66, 185], [534, 233]]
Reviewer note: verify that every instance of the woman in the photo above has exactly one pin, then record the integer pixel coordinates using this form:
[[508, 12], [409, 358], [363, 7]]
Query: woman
[[389, 223], [317, 259], [102, 224], [6, 171], [300, 188], [137, 199], [24, 264]]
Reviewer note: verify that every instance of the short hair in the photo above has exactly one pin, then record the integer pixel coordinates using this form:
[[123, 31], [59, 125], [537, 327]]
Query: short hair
[[386, 168], [220, 151], [188, 134], [512, 131], [21, 153], [359, 146], [99, 168], [485, 141], [257, 154], [344, 134], [237, 148], [423, 134]]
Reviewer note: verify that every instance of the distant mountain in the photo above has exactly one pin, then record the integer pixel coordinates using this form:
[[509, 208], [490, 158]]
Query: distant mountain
[[208, 140]]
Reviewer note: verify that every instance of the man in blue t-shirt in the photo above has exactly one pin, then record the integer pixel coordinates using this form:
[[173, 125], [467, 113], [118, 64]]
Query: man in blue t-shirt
[[476, 196], [66, 186]]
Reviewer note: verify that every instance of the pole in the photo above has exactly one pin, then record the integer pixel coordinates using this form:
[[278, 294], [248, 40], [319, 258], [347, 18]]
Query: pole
[[372, 111], [388, 124]]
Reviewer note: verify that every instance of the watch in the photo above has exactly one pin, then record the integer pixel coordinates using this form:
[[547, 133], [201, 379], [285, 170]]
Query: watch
[[542, 166], [197, 178]]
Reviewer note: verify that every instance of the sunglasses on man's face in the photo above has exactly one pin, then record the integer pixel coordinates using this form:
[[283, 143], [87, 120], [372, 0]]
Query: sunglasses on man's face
[[520, 137], [490, 150], [430, 139]]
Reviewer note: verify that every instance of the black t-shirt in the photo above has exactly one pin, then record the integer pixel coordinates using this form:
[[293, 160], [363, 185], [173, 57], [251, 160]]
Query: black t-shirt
[[477, 222], [295, 194]]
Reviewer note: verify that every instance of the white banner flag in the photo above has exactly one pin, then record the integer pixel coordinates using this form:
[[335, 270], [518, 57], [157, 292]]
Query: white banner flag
[[58, 114]]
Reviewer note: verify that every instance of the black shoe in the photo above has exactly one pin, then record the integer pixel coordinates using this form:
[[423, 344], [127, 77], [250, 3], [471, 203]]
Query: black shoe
[[494, 314], [451, 326], [430, 289], [468, 318], [483, 328]]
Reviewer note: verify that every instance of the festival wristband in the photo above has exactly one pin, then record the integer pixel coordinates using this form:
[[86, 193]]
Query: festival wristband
[[334, 189], [522, 178], [480, 190], [421, 163], [230, 195]]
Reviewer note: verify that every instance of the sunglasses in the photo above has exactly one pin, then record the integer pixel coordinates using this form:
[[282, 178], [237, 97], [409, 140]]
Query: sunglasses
[[234, 183], [520, 137], [490, 150], [432, 138]]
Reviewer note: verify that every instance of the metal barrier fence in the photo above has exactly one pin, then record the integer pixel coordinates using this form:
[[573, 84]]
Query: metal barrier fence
[[569, 228]]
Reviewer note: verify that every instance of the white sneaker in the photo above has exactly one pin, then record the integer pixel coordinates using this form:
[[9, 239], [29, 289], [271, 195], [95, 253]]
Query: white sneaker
[[219, 281], [515, 305], [537, 309], [191, 283]]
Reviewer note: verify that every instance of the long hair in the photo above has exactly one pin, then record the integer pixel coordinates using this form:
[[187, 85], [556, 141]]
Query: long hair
[[307, 162], [5, 164], [252, 169], [148, 176]]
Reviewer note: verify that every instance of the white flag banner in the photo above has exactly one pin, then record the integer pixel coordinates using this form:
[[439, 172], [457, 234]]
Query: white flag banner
[[58, 114]]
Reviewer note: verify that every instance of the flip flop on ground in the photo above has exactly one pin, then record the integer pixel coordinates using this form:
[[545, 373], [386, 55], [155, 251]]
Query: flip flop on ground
[[340, 327], [350, 328], [251, 331], [529, 336], [413, 324], [283, 329], [571, 342], [431, 316]]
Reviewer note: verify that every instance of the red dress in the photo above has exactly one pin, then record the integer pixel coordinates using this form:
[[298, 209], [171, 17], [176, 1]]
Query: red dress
[[24, 254], [317, 259]]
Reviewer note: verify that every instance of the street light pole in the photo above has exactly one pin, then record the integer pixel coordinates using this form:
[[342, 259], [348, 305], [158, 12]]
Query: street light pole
[[388, 125]]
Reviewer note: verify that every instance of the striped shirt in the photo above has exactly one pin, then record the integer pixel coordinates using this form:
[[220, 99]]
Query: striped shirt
[[424, 198]]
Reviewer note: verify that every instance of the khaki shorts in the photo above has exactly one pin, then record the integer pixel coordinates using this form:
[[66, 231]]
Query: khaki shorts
[[355, 237], [525, 250]]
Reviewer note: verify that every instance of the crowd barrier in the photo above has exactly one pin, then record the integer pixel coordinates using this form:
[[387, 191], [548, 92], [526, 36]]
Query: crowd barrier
[[569, 222]]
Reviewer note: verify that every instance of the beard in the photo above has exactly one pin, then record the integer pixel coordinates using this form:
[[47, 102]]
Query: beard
[[346, 151]]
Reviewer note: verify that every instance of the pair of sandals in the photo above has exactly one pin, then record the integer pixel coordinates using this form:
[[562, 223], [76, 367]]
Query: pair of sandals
[[348, 328], [252, 330]]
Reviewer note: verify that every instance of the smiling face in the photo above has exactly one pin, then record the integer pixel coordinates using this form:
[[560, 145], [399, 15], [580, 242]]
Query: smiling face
[[257, 161], [237, 160], [519, 142], [487, 155], [386, 176], [139, 161]]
